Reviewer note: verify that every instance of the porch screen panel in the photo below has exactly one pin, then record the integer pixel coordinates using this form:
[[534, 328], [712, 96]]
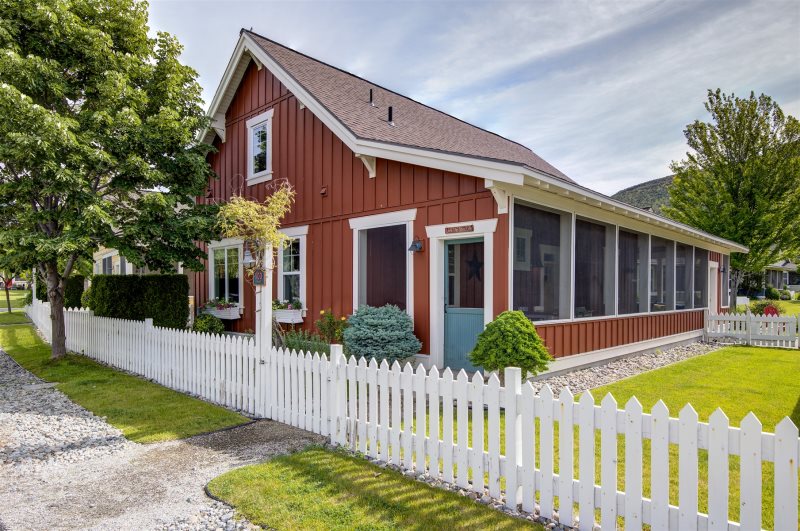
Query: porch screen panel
[[632, 268], [662, 278], [384, 257], [541, 263], [700, 278], [683, 276], [594, 269]]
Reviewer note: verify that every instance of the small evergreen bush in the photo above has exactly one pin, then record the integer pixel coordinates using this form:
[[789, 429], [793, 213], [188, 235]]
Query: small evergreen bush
[[211, 324], [510, 340], [760, 307], [73, 290], [385, 333], [303, 340], [770, 293]]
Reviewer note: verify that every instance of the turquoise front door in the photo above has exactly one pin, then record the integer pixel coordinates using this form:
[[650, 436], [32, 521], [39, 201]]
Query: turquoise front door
[[463, 309]]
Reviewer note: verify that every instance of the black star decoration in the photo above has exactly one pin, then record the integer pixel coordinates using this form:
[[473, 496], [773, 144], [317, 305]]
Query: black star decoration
[[474, 267]]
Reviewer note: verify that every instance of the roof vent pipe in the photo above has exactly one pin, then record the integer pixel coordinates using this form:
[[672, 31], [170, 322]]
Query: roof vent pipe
[[371, 101], [391, 121]]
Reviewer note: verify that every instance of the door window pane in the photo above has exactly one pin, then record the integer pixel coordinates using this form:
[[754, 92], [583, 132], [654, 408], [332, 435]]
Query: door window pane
[[662, 266], [541, 287], [633, 250], [382, 255], [594, 269], [465, 264], [700, 278], [683, 276]]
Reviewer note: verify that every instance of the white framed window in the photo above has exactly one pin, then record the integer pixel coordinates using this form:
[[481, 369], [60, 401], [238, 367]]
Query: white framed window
[[259, 148], [226, 278], [292, 265], [383, 271]]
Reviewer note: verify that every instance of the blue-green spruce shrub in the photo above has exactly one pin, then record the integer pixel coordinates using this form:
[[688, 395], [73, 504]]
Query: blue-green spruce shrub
[[510, 340], [385, 333]]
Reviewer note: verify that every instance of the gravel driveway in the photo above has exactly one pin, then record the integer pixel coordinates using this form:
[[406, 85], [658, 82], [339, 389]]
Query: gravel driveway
[[61, 467]]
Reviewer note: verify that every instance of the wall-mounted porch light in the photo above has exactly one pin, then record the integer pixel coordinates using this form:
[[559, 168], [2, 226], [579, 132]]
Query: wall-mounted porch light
[[248, 260], [415, 247]]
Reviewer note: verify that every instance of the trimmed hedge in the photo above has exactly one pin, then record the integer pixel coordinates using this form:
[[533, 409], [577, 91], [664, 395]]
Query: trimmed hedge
[[73, 290], [164, 298]]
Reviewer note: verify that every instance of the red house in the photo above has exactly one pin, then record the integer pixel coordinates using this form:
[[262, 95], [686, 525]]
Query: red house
[[400, 203]]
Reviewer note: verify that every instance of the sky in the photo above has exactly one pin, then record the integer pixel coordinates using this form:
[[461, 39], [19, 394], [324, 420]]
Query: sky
[[600, 89]]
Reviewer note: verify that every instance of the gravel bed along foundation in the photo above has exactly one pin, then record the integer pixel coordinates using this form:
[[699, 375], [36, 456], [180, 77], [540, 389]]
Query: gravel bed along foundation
[[582, 379]]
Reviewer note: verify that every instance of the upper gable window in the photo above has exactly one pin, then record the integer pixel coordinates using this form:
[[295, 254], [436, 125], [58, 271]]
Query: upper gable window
[[259, 148]]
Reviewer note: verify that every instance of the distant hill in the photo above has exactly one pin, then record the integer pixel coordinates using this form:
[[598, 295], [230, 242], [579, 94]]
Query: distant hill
[[650, 195]]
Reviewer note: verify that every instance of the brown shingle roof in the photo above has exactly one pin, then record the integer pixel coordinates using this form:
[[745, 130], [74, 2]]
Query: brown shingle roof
[[346, 96]]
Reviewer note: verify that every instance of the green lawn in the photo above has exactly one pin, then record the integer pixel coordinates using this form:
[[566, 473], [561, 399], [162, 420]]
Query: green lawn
[[790, 307], [736, 379], [15, 317], [322, 489], [144, 411], [17, 297]]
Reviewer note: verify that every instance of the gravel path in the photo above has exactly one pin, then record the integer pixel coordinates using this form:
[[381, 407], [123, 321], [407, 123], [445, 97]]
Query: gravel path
[[61, 467], [583, 379]]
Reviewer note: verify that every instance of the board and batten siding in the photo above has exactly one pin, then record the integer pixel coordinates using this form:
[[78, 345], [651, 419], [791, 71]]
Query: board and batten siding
[[310, 157]]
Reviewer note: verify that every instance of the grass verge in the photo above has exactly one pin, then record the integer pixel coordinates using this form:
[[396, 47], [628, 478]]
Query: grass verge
[[322, 489], [15, 317], [144, 411]]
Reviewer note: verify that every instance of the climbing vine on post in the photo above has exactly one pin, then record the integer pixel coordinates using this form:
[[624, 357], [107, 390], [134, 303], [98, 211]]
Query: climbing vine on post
[[257, 223]]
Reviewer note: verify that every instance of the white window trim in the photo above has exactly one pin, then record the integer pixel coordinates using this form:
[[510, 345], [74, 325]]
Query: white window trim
[[399, 217], [265, 175], [298, 233], [225, 244]]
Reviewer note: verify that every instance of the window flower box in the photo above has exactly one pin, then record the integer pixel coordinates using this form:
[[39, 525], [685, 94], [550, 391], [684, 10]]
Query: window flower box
[[223, 313], [289, 316], [222, 309]]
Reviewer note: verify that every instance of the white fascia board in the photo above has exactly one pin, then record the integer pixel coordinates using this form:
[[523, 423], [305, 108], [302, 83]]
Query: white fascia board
[[207, 135], [568, 189]]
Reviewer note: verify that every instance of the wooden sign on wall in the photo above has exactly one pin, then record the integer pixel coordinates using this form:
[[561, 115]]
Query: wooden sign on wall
[[459, 229]]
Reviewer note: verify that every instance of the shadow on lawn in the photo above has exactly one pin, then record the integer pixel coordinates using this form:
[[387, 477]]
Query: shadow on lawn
[[795, 416]]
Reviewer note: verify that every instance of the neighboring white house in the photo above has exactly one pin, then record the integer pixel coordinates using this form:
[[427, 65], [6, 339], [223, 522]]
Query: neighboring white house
[[782, 274]]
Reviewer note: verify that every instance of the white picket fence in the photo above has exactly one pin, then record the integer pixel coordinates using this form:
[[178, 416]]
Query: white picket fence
[[758, 330], [476, 433]]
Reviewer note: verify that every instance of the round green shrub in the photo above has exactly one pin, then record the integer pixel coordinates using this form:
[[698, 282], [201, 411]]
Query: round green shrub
[[786, 295], [86, 298], [385, 333], [208, 323], [772, 294], [510, 340], [797, 296]]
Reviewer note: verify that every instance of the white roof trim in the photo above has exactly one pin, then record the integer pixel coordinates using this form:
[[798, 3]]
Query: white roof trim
[[502, 172]]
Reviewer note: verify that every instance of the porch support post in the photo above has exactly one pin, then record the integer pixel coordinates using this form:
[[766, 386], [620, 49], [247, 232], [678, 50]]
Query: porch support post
[[264, 324]]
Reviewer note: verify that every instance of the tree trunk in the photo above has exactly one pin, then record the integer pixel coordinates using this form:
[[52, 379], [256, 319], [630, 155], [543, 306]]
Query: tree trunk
[[55, 294], [736, 280], [8, 297]]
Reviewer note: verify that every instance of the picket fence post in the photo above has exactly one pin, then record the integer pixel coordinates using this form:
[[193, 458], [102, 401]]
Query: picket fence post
[[339, 384]]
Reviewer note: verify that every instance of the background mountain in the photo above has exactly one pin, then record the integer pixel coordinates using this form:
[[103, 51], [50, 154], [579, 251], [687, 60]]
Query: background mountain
[[651, 195]]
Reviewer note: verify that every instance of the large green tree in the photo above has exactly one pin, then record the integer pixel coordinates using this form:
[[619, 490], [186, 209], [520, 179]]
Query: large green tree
[[97, 141], [741, 179]]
